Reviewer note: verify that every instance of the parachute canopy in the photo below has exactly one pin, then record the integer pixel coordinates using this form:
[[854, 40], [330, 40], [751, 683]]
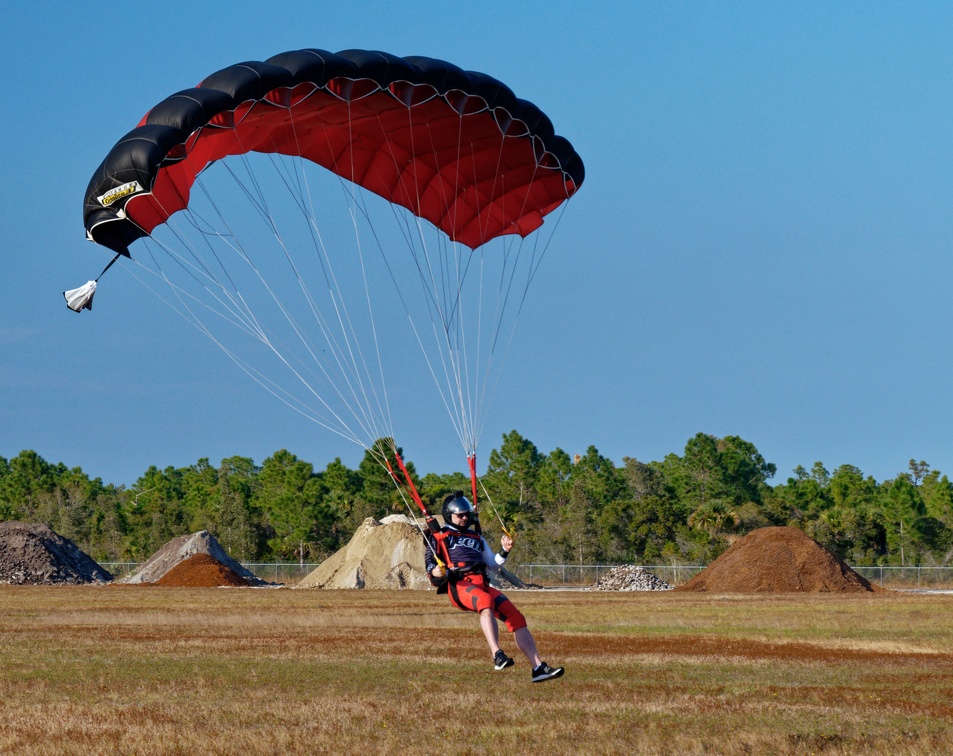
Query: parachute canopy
[[233, 190], [454, 147]]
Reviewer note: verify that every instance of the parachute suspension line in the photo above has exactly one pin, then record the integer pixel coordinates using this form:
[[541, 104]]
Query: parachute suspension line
[[506, 287], [465, 395], [259, 203], [375, 425], [341, 429], [469, 407], [489, 500], [270, 386], [360, 253], [425, 272], [435, 294], [248, 323], [229, 297], [478, 395], [537, 260], [305, 202], [198, 324], [443, 284], [361, 415]]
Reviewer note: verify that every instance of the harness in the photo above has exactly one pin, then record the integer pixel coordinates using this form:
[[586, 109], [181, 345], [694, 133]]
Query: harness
[[460, 570], [457, 570]]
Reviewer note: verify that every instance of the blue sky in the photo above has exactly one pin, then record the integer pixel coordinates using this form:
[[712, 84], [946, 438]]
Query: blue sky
[[761, 247]]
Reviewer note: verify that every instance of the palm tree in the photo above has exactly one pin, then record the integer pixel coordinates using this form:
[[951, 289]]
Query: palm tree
[[714, 518]]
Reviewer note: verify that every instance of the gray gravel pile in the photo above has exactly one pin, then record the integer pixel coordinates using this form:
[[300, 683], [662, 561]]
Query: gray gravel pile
[[33, 554], [628, 577]]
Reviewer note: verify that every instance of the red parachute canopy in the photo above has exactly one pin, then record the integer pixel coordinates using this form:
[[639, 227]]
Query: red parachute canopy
[[456, 148]]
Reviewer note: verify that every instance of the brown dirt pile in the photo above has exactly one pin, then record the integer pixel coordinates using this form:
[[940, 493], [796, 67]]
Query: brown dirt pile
[[179, 549], [33, 554], [778, 560], [201, 571]]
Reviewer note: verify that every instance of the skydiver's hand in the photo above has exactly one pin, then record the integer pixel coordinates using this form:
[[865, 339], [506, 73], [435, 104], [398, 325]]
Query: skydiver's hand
[[439, 572], [507, 543]]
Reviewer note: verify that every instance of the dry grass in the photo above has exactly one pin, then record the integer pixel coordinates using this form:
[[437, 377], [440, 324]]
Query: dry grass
[[223, 671]]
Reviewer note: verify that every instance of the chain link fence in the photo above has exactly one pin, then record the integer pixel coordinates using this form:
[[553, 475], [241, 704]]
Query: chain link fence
[[909, 578], [288, 573], [582, 575]]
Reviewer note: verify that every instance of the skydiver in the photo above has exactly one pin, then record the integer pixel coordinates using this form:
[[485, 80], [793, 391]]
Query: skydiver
[[465, 581]]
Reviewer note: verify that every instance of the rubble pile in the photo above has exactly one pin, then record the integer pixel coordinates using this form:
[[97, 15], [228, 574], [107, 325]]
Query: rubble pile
[[629, 577], [33, 554]]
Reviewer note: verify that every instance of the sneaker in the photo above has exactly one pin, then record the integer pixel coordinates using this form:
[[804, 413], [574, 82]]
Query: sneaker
[[544, 672], [502, 661]]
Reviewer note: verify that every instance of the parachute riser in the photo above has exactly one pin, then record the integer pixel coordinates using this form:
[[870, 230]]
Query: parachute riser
[[474, 483], [471, 462], [443, 557]]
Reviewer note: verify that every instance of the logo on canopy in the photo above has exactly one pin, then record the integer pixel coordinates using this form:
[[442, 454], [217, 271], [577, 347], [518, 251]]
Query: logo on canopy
[[119, 192]]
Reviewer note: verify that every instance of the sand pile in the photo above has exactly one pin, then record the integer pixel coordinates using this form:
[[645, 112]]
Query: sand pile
[[778, 560], [180, 549], [380, 555], [201, 571], [628, 577], [32, 554]]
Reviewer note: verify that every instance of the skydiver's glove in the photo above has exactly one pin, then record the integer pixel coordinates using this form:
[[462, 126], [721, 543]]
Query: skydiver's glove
[[438, 576]]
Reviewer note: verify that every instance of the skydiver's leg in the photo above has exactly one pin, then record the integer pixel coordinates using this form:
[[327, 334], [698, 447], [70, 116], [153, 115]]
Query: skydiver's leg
[[526, 644], [490, 630]]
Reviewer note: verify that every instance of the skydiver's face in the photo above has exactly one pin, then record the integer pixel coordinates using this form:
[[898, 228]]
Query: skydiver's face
[[461, 520]]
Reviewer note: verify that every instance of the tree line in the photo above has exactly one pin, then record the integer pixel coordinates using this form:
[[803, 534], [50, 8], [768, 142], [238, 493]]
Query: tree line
[[582, 509]]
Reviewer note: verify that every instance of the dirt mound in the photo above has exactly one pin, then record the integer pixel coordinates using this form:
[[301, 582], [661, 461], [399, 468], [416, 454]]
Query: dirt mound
[[778, 560], [201, 571], [180, 549], [33, 554], [380, 555], [628, 577]]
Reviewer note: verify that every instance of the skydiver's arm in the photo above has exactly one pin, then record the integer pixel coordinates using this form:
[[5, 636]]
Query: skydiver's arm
[[491, 559]]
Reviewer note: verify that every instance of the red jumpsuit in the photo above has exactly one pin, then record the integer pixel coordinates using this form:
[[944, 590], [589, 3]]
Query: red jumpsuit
[[467, 584]]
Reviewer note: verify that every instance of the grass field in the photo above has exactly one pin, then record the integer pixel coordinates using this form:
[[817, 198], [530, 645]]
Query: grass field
[[222, 671]]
